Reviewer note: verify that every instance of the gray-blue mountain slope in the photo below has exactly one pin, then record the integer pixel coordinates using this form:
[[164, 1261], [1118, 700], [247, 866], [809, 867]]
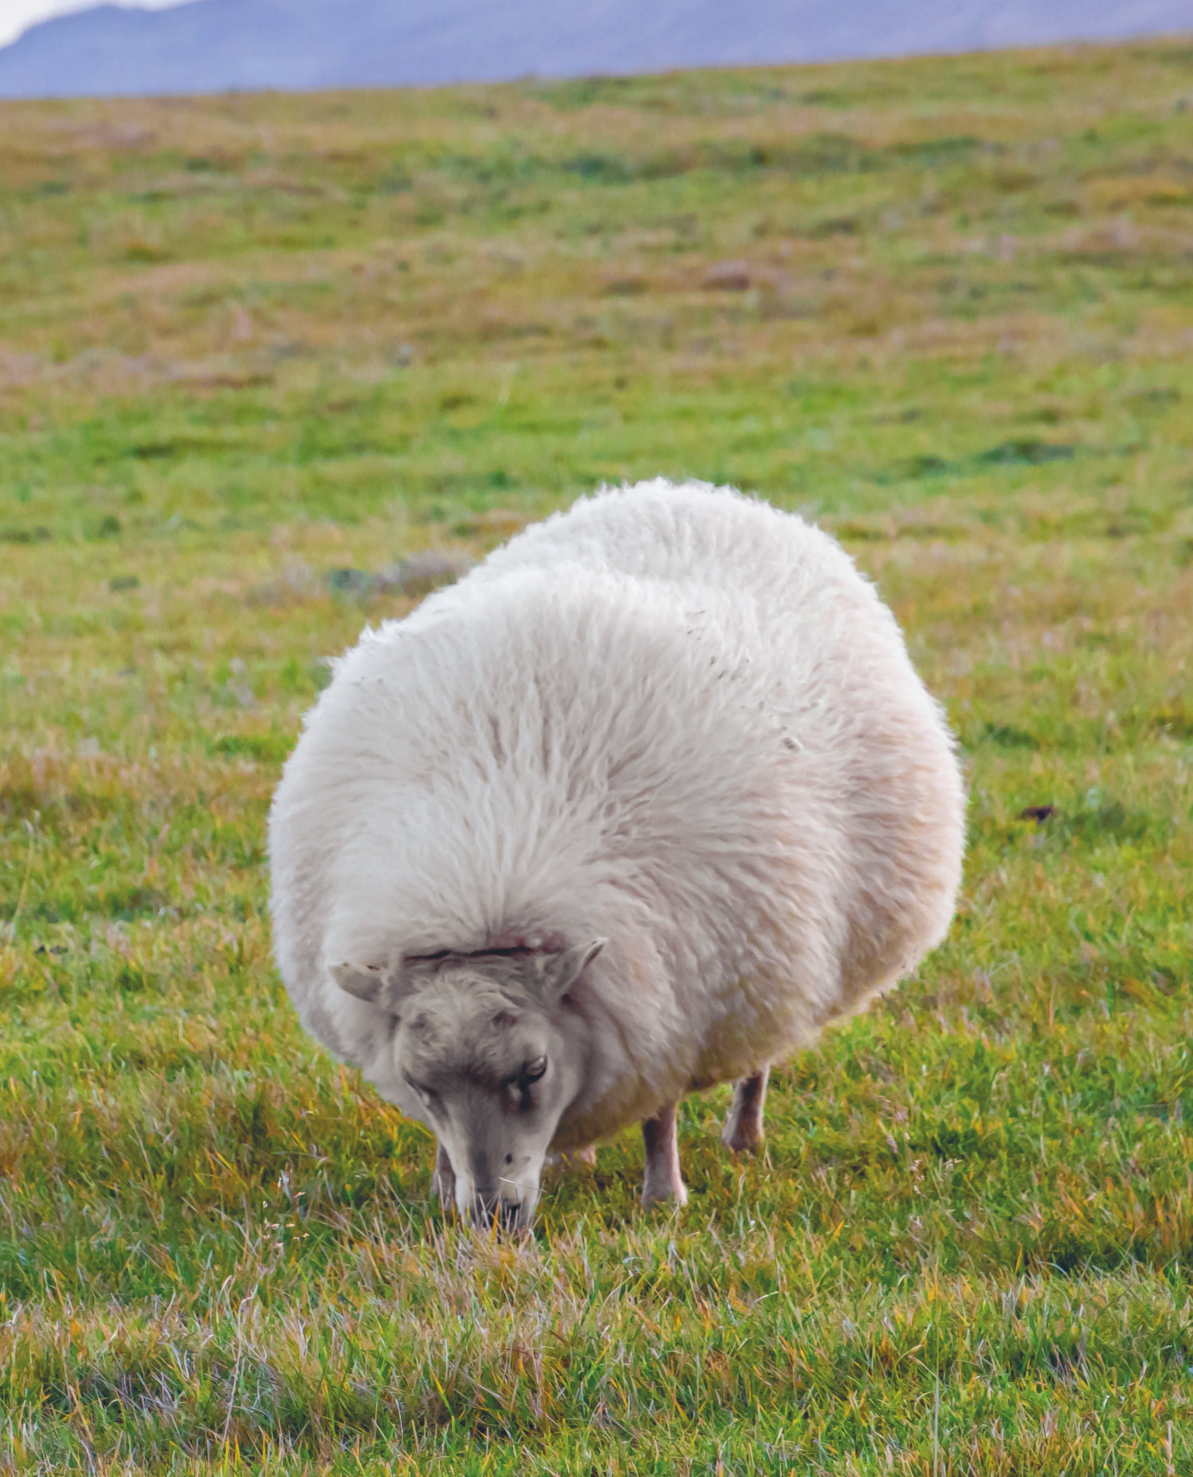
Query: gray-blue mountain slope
[[217, 45]]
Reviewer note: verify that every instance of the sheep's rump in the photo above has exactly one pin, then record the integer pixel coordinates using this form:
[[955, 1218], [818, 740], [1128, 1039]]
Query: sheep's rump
[[672, 717]]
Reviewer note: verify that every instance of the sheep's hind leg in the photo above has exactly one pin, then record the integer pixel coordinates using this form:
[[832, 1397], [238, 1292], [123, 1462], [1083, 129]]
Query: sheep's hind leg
[[443, 1180], [662, 1180], [743, 1128]]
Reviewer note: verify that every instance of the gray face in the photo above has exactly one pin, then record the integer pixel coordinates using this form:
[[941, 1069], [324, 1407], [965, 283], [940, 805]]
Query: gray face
[[487, 1056], [491, 1075]]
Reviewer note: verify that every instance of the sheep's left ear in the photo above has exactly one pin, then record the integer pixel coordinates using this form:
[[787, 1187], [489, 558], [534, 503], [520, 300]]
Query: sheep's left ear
[[373, 983], [559, 972]]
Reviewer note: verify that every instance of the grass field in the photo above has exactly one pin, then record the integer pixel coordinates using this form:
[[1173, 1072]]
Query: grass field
[[254, 351]]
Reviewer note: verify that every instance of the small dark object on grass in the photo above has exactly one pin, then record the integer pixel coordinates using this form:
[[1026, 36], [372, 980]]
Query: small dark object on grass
[[354, 584], [1038, 813], [1025, 453]]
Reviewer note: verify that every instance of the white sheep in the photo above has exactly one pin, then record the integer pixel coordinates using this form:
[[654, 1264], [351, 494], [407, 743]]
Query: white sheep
[[636, 807]]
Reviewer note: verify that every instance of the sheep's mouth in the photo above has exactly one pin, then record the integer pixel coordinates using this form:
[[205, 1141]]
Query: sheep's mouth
[[487, 1213]]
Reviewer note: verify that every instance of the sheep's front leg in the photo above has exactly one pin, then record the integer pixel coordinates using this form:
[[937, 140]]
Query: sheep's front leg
[[443, 1181], [567, 1159], [743, 1128], [662, 1180]]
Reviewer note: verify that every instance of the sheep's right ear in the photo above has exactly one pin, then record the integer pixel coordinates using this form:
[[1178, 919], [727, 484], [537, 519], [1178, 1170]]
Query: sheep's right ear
[[374, 983]]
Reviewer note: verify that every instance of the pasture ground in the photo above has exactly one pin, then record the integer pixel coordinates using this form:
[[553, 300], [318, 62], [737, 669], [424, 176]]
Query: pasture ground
[[256, 350]]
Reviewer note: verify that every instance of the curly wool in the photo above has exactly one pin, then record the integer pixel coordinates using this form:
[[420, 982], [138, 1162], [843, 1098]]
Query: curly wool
[[672, 717]]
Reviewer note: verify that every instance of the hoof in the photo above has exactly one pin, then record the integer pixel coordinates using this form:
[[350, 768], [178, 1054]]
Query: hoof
[[664, 1195], [741, 1138]]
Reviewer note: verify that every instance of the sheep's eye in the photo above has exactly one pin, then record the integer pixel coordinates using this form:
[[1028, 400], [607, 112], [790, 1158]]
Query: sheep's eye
[[532, 1071]]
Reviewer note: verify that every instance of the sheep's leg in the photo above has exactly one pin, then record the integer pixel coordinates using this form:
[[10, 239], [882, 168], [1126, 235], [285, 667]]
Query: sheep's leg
[[443, 1181], [566, 1159], [662, 1180], [743, 1128]]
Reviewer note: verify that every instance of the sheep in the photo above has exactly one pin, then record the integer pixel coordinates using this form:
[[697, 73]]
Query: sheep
[[637, 807]]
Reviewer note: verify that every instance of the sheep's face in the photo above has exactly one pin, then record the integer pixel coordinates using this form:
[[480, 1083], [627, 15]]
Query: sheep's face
[[486, 1054], [491, 1075]]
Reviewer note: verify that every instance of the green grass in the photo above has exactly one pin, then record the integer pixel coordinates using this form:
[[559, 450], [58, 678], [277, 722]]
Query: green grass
[[249, 345]]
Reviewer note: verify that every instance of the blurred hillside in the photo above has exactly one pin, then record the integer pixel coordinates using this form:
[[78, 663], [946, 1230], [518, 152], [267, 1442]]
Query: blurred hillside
[[221, 45]]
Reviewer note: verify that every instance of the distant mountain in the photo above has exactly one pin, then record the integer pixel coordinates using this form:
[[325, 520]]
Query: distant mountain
[[217, 45]]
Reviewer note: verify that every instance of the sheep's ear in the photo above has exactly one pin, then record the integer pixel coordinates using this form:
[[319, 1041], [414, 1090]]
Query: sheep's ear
[[559, 972], [374, 983]]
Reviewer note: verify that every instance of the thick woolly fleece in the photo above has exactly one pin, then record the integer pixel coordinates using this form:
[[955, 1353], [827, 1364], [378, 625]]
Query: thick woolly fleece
[[671, 717]]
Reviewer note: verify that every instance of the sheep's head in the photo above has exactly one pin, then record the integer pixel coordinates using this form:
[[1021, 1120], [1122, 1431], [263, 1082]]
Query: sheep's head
[[487, 1055]]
